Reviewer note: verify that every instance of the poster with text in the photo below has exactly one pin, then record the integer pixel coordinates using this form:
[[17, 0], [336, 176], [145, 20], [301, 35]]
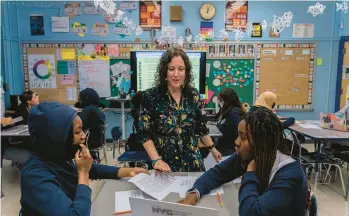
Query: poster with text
[[42, 71], [37, 25], [236, 14], [150, 14]]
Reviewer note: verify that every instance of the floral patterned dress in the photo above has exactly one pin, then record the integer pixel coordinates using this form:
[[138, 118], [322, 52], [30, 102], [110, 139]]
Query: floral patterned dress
[[174, 128]]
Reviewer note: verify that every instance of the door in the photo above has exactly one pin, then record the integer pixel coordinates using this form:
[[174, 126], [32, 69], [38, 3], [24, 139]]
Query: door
[[342, 90]]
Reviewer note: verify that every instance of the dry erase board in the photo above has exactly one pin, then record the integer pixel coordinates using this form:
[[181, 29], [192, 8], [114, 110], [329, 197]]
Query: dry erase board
[[287, 70]]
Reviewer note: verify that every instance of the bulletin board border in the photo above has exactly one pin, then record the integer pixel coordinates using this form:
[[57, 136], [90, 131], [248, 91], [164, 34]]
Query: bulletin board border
[[291, 107]]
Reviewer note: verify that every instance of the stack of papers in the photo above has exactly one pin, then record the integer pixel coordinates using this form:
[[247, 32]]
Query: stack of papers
[[159, 185], [309, 126], [122, 199]]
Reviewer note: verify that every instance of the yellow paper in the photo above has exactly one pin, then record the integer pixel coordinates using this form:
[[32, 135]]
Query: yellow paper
[[85, 58], [68, 54], [319, 61], [104, 58]]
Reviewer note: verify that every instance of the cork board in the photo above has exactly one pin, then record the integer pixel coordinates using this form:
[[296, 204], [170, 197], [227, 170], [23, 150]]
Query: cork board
[[288, 71], [50, 71], [345, 78]]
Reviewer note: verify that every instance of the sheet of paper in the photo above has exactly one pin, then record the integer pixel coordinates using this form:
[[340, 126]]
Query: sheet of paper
[[237, 181], [289, 52], [156, 185], [122, 199], [71, 93], [18, 119], [210, 162], [309, 126], [208, 68], [217, 190]]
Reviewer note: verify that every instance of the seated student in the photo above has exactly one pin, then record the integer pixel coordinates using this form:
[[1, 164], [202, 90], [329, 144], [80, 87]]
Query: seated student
[[28, 100], [91, 115], [52, 183], [134, 142], [273, 183], [230, 112]]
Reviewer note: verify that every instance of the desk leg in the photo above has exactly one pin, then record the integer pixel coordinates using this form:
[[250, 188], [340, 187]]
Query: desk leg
[[318, 145], [123, 120], [346, 192]]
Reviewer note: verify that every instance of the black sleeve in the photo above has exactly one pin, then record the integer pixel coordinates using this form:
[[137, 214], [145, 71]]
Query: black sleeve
[[230, 125], [290, 121], [22, 111]]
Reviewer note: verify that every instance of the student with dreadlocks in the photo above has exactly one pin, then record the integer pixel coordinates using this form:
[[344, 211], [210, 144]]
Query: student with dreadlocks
[[273, 183]]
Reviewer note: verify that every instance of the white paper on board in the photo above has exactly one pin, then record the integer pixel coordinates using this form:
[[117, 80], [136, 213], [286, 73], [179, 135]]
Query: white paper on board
[[71, 93], [208, 68], [289, 52]]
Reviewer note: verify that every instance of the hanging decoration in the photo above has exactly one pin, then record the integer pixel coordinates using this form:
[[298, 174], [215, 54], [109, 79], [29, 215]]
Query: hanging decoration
[[138, 31], [342, 6], [239, 34], [223, 34], [114, 18], [180, 41], [264, 25], [316, 9], [280, 23], [168, 35], [107, 5]]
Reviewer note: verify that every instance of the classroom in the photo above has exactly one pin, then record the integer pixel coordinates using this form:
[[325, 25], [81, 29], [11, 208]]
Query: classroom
[[163, 107]]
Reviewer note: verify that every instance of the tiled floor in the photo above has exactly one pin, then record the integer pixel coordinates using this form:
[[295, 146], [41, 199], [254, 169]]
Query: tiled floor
[[330, 203]]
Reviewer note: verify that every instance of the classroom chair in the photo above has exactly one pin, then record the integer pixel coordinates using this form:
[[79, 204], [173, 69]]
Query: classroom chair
[[135, 158], [116, 134], [97, 141]]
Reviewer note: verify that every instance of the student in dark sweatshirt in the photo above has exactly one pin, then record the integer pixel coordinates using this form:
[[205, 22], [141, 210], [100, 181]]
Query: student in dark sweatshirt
[[273, 183], [230, 112], [52, 183], [28, 100]]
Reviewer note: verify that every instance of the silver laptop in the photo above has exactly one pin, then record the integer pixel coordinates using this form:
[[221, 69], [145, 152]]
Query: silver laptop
[[147, 207]]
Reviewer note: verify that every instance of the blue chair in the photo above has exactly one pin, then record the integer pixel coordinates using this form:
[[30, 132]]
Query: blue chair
[[116, 134], [138, 158]]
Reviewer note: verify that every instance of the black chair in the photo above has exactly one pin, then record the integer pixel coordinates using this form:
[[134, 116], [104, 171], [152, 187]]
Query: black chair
[[97, 140], [116, 134]]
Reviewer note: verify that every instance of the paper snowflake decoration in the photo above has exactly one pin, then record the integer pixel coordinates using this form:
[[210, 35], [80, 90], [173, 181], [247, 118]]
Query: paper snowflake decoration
[[168, 35], [223, 34], [119, 15], [138, 30], [249, 28], [239, 34], [198, 39], [264, 25], [189, 38], [107, 5], [317, 9], [180, 41], [280, 23], [342, 6]]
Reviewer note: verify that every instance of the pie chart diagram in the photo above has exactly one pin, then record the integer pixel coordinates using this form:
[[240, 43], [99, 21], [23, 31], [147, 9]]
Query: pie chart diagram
[[42, 69]]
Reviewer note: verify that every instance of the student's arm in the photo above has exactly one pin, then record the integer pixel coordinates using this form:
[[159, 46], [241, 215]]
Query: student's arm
[[100, 171], [277, 196], [42, 192], [222, 173], [288, 122]]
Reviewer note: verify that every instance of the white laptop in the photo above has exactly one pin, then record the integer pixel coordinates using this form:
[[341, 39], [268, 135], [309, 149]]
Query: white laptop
[[147, 207]]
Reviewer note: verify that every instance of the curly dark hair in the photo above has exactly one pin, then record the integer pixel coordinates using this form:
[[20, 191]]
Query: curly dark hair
[[162, 69]]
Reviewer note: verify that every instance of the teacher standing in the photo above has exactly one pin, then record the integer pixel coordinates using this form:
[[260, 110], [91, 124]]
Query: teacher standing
[[171, 121]]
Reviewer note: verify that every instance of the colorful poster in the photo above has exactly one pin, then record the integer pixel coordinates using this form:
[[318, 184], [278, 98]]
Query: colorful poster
[[100, 29], [120, 76], [121, 30], [79, 29], [113, 50], [68, 54], [128, 5], [150, 14], [42, 71], [93, 51], [236, 14], [66, 67], [206, 29], [72, 9], [37, 24]]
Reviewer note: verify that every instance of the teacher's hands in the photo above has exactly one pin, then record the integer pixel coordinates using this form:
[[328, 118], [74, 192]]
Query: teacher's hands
[[162, 166], [216, 154]]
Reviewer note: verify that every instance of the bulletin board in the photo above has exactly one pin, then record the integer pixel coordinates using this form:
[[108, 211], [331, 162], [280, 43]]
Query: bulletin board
[[287, 70], [50, 70], [230, 73]]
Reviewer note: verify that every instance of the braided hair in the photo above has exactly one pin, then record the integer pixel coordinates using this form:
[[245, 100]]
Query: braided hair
[[265, 136]]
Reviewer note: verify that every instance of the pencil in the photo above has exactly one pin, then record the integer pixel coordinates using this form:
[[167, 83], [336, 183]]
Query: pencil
[[122, 212], [219, 200]]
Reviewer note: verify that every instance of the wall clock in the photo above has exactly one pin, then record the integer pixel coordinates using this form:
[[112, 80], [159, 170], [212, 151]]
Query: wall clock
[[207, 11]]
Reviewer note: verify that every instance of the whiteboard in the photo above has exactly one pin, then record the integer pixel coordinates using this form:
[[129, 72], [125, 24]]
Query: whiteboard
[[95, 74]]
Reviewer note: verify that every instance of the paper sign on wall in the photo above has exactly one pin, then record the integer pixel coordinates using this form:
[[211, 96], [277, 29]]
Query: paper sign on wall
[[128, 5], [89, 8], [68, 54], [72, 9], [79, 29], [67, 79], [60, 24], [303, 30], [71, 93], [100, 29], [66, 67]]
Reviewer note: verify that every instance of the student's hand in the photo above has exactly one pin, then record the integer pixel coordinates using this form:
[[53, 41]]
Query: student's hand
[[216, 154], [6, 121], [251, 166], [131, 172], [190, 199], [83, 160], [162, 166]]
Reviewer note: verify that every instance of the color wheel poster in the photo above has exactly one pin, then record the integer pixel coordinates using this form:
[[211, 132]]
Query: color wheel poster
[[42, 71]]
